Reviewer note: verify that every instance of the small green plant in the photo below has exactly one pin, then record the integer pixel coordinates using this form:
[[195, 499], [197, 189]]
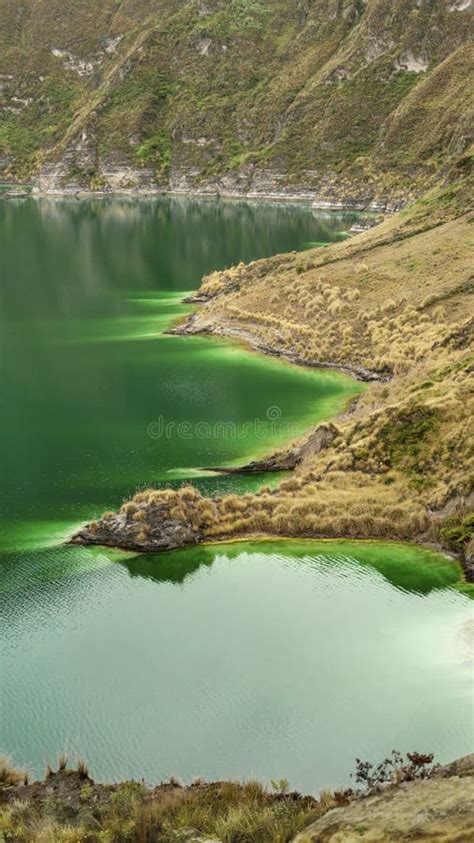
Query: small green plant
[[280, 786], [457, 531], [128, 795], [156, 150], [86, 792]]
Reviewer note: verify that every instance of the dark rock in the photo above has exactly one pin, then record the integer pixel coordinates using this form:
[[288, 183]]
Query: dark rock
[[317, 441], [117, 530]]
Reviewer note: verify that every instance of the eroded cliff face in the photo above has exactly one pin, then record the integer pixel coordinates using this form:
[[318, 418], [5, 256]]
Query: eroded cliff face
[[364, 100]]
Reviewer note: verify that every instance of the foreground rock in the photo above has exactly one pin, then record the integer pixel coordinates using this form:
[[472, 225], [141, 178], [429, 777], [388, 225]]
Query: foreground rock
[[439, 809]]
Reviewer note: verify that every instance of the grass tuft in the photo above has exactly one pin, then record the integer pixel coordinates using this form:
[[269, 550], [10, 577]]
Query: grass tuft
[[82, 767]]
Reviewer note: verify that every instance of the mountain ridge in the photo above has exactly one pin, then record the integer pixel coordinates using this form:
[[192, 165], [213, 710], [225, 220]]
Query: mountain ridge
[[341, 101]]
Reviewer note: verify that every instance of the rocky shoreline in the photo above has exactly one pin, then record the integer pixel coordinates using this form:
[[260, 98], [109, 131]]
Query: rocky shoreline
[[416, 802], [370, 207], [117, 175], [191, 327]]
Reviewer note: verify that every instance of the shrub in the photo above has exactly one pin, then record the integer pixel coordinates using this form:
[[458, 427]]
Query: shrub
[[10, 776], [457, 531], [394, 769]]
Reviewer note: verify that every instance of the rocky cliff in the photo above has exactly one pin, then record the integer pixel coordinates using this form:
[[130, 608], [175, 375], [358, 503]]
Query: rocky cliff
[[338, 100]]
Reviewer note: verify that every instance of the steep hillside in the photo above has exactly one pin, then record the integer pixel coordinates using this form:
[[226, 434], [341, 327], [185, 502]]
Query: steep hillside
[[352, 100]]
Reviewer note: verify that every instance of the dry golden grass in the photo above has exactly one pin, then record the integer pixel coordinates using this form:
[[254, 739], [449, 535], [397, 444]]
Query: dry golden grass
[[396, 300], [10, 776], [69, 811]]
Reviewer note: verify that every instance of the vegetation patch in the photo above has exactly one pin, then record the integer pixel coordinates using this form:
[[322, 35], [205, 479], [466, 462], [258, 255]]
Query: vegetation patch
[[69, 807], [405, 437], [457, 531]]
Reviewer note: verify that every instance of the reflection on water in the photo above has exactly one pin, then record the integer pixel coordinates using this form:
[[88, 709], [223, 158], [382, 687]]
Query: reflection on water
[[418, 571], [88, 287], [121, 244], [261, 659]]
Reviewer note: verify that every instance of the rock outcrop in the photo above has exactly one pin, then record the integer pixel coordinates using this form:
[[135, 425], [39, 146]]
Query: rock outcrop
[[440, 809], [152, 521]]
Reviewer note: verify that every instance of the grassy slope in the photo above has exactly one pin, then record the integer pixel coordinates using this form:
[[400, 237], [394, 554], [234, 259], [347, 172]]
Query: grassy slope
[[398, 300], [68, 807], [322, 93]]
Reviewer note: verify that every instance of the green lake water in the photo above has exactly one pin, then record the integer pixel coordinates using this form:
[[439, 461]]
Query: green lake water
[[268, 659]]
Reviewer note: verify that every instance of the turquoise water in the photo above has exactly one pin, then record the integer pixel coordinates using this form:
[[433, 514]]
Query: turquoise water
[[270, 659]]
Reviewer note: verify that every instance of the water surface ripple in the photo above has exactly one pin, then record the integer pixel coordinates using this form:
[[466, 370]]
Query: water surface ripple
[[268, 659]]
